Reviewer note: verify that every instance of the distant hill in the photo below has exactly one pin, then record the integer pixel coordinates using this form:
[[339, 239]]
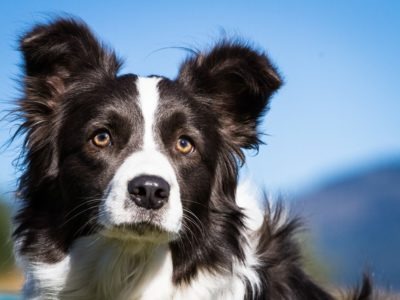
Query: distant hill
[[6, 260], [355, 222]]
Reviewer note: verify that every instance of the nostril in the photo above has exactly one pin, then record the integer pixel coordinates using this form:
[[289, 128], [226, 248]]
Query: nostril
[[161, 193], [139, 191]]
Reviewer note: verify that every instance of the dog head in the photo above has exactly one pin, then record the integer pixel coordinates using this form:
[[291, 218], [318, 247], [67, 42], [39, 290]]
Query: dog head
[[147, 158]]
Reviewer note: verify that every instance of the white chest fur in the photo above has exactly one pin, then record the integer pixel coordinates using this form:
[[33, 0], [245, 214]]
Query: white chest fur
[[102, 268], [99, 268]]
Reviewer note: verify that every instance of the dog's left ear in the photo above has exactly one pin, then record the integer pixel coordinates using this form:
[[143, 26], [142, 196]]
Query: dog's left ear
[[236, 82]]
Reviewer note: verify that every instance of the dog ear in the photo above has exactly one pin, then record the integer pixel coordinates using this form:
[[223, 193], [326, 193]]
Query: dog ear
[[236, 82], [56, 58], [57, 53]]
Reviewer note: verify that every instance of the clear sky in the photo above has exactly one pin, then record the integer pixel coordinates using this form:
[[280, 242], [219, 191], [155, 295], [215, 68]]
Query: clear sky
[[339, 108]]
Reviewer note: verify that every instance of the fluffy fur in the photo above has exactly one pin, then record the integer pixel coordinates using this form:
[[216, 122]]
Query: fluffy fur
[[79, 235]]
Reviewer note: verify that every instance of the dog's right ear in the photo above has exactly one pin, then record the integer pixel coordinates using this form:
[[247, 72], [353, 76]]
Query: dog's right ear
[[57, 57]]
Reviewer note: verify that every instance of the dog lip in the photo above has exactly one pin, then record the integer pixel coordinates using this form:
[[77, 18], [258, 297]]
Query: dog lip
[[141, 231], [140, 228]]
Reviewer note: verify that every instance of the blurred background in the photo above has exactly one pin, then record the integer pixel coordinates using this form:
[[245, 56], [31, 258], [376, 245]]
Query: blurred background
[[333, 132]]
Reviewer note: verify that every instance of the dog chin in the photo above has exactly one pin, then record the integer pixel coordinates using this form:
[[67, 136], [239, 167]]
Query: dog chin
[[140, 232]]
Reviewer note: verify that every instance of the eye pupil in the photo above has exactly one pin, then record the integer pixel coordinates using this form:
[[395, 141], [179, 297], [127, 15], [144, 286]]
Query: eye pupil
[[102, 136], [183, 143]]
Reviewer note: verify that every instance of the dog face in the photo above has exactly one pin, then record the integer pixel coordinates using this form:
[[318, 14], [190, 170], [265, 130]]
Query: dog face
[[147, 158], [143, 154]]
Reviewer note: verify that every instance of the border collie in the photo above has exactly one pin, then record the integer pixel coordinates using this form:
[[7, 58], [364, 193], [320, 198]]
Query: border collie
[[130, 186]]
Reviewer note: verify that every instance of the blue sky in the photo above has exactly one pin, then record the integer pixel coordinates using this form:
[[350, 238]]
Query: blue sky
[[339, 108]]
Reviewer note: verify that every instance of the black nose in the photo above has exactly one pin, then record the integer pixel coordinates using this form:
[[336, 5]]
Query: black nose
[[150, 192]]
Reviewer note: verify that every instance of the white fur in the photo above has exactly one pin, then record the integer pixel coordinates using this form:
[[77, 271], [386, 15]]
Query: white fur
[[44, 281], [103, 267], [247, 196], [118, 209], [148, 101]]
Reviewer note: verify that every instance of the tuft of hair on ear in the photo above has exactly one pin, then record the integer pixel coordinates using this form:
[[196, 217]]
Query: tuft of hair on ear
[[57, 57], [236, 81]]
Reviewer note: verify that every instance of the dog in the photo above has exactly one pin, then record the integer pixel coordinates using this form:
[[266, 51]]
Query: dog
[[130, 184]]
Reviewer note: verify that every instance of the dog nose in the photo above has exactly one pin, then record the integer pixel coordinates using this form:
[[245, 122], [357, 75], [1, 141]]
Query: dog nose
[[150, 192]]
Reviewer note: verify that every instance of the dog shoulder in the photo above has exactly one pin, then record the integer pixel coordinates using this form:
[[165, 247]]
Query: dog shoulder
[[274, 269]]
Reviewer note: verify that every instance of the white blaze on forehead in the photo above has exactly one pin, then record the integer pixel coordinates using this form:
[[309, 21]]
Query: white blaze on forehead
[[148, 101]]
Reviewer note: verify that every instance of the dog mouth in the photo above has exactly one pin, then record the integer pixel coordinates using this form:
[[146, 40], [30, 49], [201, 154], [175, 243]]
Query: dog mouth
[[140, 232], [141, 229], [123, 219]]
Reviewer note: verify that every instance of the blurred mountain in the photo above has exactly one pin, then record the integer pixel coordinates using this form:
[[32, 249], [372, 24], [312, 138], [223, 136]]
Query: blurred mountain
[[10, 277], [6, 258], [355, 224]]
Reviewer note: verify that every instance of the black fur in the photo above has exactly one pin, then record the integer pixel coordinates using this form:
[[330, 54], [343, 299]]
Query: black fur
[[72, 85]]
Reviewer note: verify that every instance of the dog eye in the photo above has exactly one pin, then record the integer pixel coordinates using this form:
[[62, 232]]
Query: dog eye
[[184, 145], [102, 139]]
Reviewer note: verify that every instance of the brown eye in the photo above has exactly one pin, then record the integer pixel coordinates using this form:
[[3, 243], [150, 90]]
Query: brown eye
[[102, 139], [184, 145]]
